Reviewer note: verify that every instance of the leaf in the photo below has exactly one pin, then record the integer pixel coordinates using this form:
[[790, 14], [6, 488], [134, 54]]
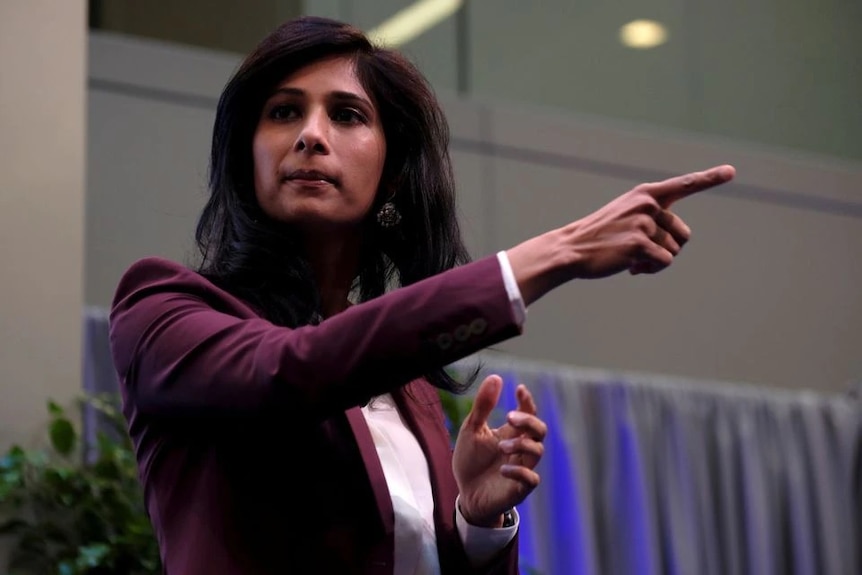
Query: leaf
[[93, 555], [37, 458], [63, 436], [106, 403], [11, 482], [456, 408], [11, 478], [13, 458], [108, 407], [89, 516], [54, 409]]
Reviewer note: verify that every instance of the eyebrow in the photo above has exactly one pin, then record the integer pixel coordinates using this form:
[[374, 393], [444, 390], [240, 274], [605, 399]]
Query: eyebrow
[[337, 95]]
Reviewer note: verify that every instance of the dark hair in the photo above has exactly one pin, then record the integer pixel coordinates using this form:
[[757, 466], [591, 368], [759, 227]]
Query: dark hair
[[259, 259]]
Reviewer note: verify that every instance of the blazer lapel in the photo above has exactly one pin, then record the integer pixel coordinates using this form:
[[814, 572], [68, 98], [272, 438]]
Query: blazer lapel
[[385, 554], [419, 405]]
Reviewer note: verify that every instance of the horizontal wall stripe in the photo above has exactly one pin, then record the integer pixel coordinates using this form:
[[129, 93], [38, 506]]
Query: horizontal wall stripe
[[150, 93], [747, 192]]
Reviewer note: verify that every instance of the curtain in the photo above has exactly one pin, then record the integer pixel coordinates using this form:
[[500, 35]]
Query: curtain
[[648, 475]]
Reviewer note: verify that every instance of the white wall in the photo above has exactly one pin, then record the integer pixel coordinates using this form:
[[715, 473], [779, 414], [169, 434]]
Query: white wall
[[42, 107], [766, 292]]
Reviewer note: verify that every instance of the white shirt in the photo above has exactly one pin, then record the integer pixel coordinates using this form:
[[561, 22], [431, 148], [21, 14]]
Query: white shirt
[[406, 471]]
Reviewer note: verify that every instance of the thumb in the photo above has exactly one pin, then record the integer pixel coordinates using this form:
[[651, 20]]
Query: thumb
[[484, 403]]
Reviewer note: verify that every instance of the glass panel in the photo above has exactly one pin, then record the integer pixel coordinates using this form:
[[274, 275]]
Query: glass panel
[[786, 74]]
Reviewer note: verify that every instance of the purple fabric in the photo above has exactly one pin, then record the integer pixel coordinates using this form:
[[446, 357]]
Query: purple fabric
[[250, 449]]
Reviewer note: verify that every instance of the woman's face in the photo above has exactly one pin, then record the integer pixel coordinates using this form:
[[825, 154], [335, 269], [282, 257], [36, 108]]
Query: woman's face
[[319, 148]]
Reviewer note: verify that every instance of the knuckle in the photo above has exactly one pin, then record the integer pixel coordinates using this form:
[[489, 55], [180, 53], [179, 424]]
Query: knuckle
[[638, 245], [649, 205], [645, 223], [642, 189]]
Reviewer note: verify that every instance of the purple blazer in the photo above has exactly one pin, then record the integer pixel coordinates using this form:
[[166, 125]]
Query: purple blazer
[[253, 453]]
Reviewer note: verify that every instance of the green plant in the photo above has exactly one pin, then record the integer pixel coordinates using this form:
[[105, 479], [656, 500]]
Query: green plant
[[74, 515], [456, 408]]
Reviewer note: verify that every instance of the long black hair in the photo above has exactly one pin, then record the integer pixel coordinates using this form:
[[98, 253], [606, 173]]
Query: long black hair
[[260, 260]]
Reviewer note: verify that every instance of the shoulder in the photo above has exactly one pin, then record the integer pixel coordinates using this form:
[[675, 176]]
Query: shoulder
[[156, 292], [155, 269], [159, 278]]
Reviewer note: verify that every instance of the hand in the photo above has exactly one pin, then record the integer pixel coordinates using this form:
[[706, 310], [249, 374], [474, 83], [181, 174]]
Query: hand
[[494, 468], [635, 232]]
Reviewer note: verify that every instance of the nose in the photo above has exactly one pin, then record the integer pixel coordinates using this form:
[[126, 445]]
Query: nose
[[312, 137]]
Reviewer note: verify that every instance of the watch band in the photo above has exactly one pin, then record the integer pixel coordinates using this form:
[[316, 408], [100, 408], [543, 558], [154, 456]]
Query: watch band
[[508, 518]]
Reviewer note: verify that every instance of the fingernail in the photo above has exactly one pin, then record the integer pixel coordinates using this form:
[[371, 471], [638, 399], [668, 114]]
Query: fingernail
[[516, 417]]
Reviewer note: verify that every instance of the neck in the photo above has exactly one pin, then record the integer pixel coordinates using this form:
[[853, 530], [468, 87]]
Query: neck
[[335, 263]]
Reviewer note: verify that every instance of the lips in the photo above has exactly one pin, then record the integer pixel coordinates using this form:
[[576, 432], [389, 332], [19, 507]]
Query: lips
[[311, 176]]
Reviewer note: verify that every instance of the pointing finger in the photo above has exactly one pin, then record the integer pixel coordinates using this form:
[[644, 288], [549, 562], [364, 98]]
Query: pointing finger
[[674, 189]]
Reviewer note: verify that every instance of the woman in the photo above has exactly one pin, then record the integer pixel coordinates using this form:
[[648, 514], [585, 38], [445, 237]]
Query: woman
[[282, 397]]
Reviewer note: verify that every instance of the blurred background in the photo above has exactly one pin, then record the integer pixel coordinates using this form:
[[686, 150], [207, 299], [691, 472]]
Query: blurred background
[[555, 107], [785, 74]]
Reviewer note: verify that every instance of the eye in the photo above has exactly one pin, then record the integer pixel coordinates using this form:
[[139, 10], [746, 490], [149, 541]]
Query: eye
[[283, 112], [348, 116]]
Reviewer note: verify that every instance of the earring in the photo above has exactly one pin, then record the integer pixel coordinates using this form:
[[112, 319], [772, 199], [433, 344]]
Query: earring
[[388, 216]]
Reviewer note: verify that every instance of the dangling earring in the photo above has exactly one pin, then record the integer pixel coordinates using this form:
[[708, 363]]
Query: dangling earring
[[388, 216]]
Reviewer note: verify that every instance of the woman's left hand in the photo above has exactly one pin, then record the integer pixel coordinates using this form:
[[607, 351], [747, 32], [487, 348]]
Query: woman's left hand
[[494, 468]]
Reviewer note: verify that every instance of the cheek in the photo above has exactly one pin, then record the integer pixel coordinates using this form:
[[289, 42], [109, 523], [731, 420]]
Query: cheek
[[372, 163], [263, 166]]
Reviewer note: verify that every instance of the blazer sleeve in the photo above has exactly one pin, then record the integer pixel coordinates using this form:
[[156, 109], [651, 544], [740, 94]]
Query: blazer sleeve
[[182, 346]]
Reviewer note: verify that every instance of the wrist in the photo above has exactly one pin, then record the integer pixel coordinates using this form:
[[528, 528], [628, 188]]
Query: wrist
[[492, 522], [540, 264]]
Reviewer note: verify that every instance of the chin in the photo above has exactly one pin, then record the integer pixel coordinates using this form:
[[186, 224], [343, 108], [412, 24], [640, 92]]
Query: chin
[[318, 221]]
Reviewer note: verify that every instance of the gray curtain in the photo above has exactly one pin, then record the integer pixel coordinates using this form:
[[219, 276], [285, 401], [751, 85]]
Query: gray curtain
[[99, 375], [650, 475]]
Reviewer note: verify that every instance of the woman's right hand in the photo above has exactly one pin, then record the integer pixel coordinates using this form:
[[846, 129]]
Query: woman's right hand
[[635, 232]]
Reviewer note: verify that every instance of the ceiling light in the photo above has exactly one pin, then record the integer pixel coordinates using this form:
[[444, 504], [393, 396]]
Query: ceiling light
[[412, 21], [643, 34]]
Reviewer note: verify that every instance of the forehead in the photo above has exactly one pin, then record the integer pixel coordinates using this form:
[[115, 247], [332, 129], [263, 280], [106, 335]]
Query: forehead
[[333, 74]]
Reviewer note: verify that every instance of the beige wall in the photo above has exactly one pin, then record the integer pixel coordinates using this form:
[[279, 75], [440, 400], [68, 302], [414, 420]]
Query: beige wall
[[766, 292], [42, 107]]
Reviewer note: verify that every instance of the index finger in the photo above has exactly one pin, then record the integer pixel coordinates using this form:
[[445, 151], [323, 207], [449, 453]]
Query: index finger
[[674, 189], [525, 400]]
